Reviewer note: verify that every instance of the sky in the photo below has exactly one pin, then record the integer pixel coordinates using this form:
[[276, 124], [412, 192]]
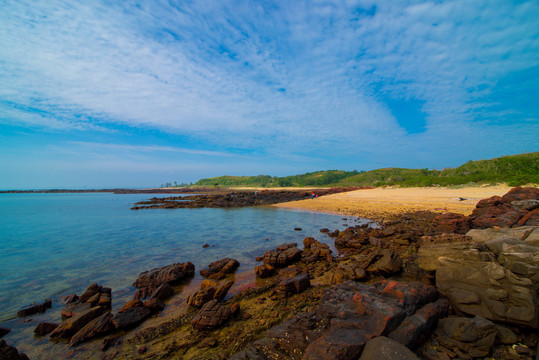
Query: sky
[[97, 94]]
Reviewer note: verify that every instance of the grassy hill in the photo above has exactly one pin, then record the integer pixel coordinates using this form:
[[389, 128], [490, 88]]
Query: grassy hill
[[514, 170]]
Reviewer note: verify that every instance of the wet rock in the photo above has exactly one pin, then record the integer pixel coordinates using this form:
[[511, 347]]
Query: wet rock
[[154, 305], [8, 352], [130, 318], [382, 347], [170, 274], [297, 229], [386, 262], [131, 304], [222, 289], [324, 230], [489, 290], [89, 295], [199, 298], [224, 266], [4, 331], [264, 271], [293, 286], [163, 292], [211, 316], [44, 328], [283, 255], [68, 299], [451, 223], [110, 341], [69, 327], [35, 308], [97, 327], [74, 309]]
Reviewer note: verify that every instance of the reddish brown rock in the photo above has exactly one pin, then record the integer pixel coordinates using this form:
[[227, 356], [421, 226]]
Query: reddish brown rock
[[163, 292], [283, 255], [90, 293], [97, 327], [154, 305], [44, 328], [223, 266], [386, 262], [521, 193], [199, 298], [211, 316], [69, 327], [264, 271], [74, 309], [222, 289], [352, 238], [35, 308], [131, 304], [68, 299], [349, 271], [451, 223]]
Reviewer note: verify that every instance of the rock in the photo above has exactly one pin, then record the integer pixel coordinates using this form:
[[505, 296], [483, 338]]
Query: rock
[[74, 309], [131, 304], [283, 255], [224, 266], [386, 262], [211, 316], [483, 235], [234, 309], [201, 297], [110, 341], [69, 327], [382, 347], [488, 290], [324, 230], [349, 271], [163, 292], [505, 335], [533, 237], [4, 331], [35, 308], [451, 223], [416, 328], [154, 305], [315, 250], [522, 260], [526, 204], [44, 328], [496, 245], [207, 342], [92, 290], [521, 193], [8, 352], [297, 229], [264, 271], [68, 299], [430, 255], [97, 327], [352, 238], [130, 318], [208, 282], [170, 274], [502, 215], [444, 239], [222, 289], [216, 276], [292, 286], [472, 336]]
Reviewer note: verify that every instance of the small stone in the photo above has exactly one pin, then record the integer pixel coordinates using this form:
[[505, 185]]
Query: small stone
[[247, 316], [207, 342], [142, 349]]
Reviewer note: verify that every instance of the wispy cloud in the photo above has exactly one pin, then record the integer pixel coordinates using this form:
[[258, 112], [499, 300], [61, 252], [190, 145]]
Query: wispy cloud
[[308, 78]]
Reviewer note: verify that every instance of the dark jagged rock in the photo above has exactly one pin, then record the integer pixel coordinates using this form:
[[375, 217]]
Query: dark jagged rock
[[130, 318], [154, 305], [292, 286], [382, 347], [386, 262], [224, 266], [163, 292], [8, 352], [4, 331], [92, 291], [349, 315], [211, 316], [68, 299], [131, 304], [35, 308], [74, 309], [69, 327], [97, 327], [150, 280], [44, 328]]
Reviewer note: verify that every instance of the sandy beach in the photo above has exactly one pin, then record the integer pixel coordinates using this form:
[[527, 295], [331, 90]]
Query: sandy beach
[[381, 203]]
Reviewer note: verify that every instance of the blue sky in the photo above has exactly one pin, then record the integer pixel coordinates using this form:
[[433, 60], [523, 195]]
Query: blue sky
[[124, 94]]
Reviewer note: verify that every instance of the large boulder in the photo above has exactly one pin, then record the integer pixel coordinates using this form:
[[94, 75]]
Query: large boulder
[[293, 286], [430, 255], [283, 255], [131, 317], [223, 266], [483, 235], [97, 327], [489, 290]]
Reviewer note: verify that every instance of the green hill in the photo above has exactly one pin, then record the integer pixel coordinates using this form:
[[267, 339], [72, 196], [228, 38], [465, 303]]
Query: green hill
[[514, 170]]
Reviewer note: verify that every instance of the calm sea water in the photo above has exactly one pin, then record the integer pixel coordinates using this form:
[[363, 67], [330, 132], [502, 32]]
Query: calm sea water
[[56, 244]]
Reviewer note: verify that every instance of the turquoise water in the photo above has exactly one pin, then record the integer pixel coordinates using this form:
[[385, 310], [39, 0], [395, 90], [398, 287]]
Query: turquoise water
[[56, 244]]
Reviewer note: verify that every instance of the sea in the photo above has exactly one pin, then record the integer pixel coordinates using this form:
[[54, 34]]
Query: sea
[[56, 244]]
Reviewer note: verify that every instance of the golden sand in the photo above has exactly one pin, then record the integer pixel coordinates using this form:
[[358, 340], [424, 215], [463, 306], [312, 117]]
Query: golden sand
[[383, 202]]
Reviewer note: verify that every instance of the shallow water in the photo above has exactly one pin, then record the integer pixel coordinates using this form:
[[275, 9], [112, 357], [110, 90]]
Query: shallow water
[[57, 244]]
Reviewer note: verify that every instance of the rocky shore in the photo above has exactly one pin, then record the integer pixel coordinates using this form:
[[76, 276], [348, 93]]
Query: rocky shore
[[421, 285], [230, 198]]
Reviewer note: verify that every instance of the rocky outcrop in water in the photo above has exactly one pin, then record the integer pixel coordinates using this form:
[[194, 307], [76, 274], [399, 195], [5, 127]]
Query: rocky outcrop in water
[[150, 280], [218, 269], [35, 308]]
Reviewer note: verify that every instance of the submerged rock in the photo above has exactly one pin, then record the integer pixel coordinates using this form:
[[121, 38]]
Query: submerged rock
[[35, 308], [69, 327]]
